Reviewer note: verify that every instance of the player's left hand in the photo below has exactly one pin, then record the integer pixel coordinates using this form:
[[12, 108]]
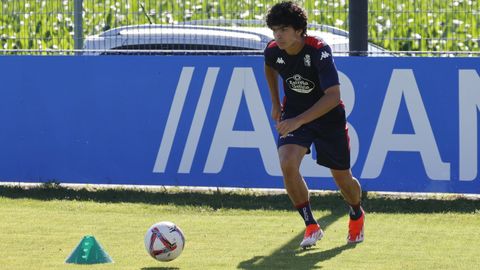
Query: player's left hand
[[288, 125]]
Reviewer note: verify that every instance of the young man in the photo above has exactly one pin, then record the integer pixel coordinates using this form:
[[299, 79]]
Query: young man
[[311, 112]]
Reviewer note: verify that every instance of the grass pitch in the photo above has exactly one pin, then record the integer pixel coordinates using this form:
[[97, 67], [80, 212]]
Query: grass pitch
[[40, 226]]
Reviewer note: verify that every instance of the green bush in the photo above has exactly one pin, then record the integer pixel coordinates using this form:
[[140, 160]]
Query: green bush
[[397, 25]]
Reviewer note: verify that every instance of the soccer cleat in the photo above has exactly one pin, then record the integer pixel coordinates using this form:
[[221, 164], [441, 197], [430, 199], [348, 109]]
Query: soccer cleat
[[355, 230], [313, 233]]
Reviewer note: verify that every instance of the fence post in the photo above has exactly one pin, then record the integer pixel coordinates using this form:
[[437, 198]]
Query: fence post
[[358, 27], [78, 26]]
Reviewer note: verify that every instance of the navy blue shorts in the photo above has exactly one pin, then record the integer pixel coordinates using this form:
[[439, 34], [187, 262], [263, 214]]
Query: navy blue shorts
[[331, 141]]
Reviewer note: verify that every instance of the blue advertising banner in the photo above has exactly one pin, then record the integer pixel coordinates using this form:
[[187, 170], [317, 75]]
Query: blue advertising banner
[[198, 121]]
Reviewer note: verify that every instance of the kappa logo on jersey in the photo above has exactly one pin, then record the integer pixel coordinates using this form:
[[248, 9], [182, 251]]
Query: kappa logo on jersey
[[280, 60], [307, 61], [299, 84], [324, 55], [286, 135]]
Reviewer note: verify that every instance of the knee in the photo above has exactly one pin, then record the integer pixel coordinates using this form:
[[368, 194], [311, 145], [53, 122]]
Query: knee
[[289, 166], [343, 178]]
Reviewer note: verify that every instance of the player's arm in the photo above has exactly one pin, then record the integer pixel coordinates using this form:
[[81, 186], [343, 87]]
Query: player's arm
[[272, 79], [328, 76], [327, 102]]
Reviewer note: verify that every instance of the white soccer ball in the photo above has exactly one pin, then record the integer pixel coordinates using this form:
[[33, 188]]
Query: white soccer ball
[[164, 241]]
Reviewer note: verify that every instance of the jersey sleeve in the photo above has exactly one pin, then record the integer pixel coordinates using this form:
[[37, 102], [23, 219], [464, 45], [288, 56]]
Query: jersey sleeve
[[268, 55], [327, 71]]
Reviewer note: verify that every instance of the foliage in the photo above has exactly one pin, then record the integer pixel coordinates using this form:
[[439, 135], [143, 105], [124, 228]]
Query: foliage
[[403, 25]]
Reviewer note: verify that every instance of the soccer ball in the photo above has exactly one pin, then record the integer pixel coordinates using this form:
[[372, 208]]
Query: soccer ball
[[164, 241]]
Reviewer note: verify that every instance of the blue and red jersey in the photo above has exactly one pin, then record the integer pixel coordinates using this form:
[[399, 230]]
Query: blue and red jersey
[[305, 76]]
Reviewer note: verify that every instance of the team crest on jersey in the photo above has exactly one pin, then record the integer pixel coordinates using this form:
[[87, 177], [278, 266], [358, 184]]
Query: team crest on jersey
[[307, 61], [299, 84]]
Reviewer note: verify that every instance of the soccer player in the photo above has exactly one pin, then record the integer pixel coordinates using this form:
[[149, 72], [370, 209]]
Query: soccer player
[[311, 112]]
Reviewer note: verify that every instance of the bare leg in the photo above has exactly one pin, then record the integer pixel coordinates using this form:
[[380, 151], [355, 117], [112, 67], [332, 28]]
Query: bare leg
[[291, 156], [348, 185], [352, 192]]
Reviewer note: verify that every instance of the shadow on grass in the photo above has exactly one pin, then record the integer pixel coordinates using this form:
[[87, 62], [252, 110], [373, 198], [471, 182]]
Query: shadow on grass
[[305, 262], [291, 255], [237, 199], [159, 268], [288, 254]]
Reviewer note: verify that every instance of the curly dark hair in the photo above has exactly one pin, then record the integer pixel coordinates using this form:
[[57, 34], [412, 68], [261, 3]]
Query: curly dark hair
[[287, 14]]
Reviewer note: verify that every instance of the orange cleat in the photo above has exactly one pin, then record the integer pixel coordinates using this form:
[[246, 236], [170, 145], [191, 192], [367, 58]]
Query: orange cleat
[[313, 233], [355, 229]]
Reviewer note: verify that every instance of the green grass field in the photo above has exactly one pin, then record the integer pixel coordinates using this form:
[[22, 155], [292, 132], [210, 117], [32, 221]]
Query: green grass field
[[404, 25], [40, 226]]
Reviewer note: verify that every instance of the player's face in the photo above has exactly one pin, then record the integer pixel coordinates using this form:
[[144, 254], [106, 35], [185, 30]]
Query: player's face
[[286, 36]]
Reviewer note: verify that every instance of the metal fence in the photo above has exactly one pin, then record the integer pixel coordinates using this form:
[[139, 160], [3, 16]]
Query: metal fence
[[402, 27]]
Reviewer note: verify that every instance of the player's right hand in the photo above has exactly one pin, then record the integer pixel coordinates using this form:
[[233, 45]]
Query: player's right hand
[[276, 113]]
